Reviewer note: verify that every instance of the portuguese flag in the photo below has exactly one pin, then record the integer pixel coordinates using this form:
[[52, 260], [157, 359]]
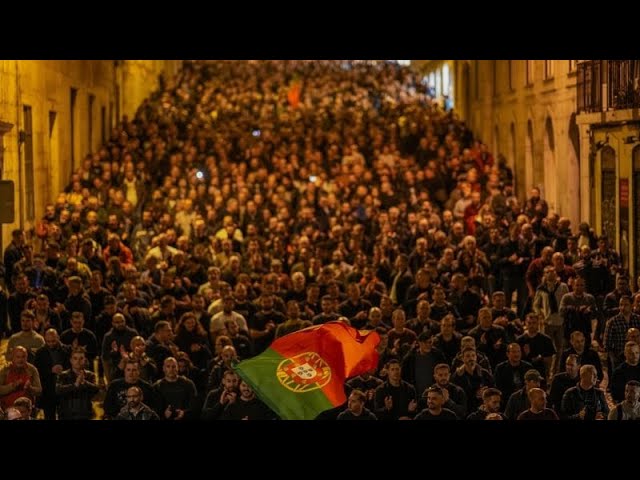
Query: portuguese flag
[[302, 374]]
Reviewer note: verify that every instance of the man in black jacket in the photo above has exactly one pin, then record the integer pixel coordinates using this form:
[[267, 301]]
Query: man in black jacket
[[218, 399], [78, 336], [75, 388], [116, 396], [418, 364], [356, 409], [51, 360], [247, 406], [586, 355], [564, 381], [13, 254], [519, 401], [395, 399], [454, 397], [176, 395], [585, 401], [626, 371], [509, 375]]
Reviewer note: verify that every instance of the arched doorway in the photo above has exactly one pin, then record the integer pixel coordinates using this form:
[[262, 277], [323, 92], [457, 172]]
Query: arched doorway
[[550, 173]]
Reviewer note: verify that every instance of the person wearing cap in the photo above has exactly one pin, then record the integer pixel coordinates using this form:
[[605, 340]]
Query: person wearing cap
[[538, 409], [435, 398], [519, 400], [418, 364]]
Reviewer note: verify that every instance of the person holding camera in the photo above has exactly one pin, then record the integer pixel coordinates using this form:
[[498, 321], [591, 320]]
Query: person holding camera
[[585, 401]]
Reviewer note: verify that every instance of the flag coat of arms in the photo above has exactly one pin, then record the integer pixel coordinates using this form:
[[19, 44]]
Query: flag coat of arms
[[302, 374]]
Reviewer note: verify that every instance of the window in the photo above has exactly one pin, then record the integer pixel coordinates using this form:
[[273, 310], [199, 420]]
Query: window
[[529, 64], [438, 84], [548, 69]]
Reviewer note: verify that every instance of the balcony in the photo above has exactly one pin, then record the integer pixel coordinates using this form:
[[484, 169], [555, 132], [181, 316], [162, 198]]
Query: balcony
[[608, 85]]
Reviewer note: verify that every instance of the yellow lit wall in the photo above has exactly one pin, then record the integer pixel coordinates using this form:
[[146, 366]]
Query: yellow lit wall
[[45, 86]]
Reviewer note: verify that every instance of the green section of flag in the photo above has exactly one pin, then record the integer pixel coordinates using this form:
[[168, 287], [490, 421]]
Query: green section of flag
[[260, 373]]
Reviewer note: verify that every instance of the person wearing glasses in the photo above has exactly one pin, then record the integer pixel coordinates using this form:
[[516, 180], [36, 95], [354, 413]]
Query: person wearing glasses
[[135, 409]]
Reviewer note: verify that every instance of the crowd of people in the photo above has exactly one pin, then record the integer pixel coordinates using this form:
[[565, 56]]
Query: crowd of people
[[249, 199]]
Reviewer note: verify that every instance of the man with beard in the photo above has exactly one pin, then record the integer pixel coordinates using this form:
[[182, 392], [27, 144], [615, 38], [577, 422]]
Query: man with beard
[[435, 401], [491, 401], [247, 406], [117, 396], [134, 408], [218, 399], [115, 342], [472, 378]]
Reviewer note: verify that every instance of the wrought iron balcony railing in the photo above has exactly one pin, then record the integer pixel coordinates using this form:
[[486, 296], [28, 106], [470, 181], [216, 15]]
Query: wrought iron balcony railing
[[608, 85]]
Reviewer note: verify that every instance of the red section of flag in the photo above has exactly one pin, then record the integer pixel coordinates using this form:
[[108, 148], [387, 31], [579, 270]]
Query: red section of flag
[[347, 351]]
